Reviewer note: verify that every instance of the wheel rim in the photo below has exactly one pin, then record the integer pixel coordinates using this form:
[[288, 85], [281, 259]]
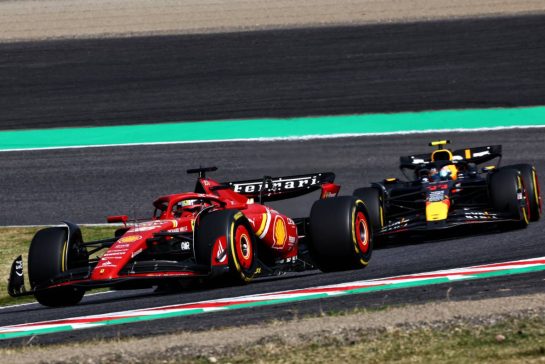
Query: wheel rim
[[362, 232], [243, 247]]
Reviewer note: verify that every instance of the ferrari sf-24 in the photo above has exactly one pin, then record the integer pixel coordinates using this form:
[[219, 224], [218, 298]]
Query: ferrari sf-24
[[219, 229]]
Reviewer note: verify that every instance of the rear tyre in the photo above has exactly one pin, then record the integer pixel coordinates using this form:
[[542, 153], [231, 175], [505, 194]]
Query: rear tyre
[[51, 253], [531, 183], [341, 234], [371, 198], [241, 244], [508, 195]]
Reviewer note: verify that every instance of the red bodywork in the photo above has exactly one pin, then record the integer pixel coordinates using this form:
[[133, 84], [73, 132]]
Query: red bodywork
[[177, 214]]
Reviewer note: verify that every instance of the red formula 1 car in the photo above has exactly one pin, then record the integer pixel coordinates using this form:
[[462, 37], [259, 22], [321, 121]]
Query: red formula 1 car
[[219, 229]]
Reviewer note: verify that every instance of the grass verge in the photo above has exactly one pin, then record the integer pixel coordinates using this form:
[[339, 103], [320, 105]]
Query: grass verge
[[16, 241], [513, 340]]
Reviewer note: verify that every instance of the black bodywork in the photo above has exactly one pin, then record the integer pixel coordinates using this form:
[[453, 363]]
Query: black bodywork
[[403, 204]]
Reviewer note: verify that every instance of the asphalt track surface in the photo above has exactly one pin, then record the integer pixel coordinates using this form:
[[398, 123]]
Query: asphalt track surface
[[342, 70], [84, 185], [357, 161]]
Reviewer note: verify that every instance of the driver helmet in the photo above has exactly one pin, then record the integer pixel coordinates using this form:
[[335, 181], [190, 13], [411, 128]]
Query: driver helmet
[[443, 174], [434, 175], [185, 203], [178, 209]]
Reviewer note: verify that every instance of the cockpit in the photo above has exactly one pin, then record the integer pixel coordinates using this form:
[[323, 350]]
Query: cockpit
[[180, 208], [189, 206]]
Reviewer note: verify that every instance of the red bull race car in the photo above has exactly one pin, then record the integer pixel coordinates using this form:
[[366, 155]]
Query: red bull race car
[[452, 189], [219, 229]]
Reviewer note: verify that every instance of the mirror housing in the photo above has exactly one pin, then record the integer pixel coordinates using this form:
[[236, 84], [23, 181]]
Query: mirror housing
[[117, 218]]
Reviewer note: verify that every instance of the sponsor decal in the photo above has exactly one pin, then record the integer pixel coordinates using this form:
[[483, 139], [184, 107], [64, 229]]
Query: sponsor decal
[[476, 215], [114, 253], [400, 224], [185, 246], [278, 184], [19, 267], [130, 239], [151, 223], [280, 233], [480, 154], [287, 260], [436, 196], [442, 186], [138, 229], [221, 254], [105, 263], [136, 253], [122, 246], [182, 229]]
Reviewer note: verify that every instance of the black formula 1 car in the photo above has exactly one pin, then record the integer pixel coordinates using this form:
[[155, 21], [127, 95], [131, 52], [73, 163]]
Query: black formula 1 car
[[451, 189]]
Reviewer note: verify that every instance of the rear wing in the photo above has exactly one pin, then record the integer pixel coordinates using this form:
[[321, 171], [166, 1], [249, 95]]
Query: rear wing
[[280, 188], [475, 155]]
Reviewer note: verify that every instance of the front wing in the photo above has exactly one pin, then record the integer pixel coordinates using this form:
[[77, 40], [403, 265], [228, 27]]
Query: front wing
[[145, 275]]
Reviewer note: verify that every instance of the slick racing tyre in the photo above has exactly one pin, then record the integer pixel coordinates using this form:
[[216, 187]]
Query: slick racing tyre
[[241, 244], [51, 253], [508, 195], [531, 183], [341, 234], [371, 197]]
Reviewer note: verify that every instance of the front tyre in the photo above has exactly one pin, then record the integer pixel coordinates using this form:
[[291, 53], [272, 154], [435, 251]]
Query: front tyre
[[341, 234], [51, 254], [508, 195]]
